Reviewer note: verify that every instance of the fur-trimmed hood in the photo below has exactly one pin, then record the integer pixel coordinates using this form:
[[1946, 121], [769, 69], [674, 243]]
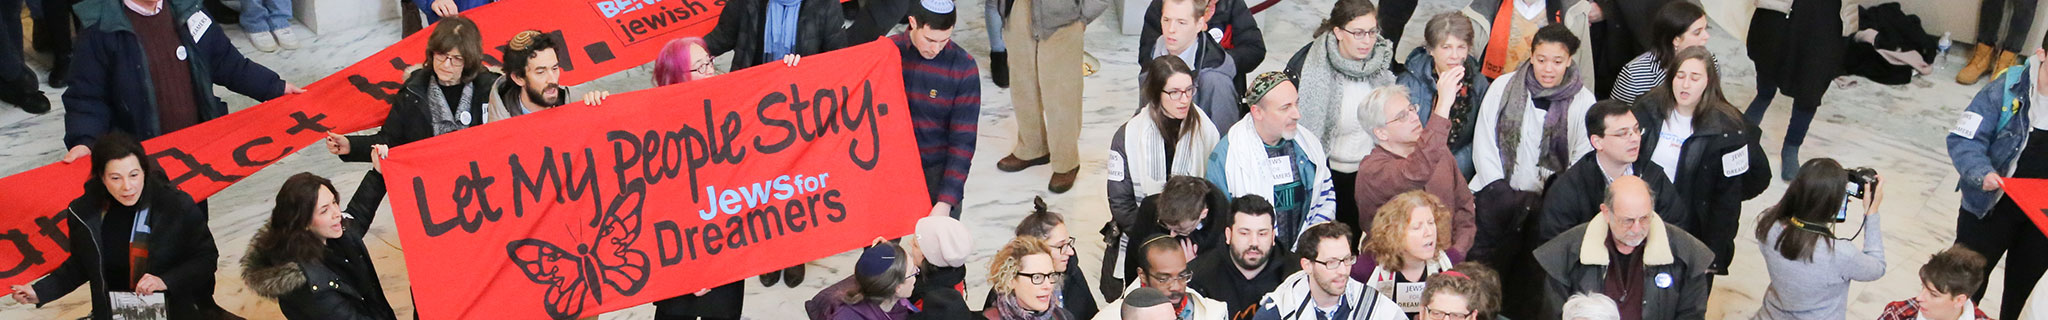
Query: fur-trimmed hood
[[268, 278]]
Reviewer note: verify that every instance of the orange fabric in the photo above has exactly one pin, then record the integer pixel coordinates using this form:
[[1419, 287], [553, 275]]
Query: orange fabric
[[1495, 52]]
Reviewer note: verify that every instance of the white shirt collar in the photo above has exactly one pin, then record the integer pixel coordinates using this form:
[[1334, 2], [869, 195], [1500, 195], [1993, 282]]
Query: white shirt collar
[[2035, 113], [144, 11], [1530, 10]]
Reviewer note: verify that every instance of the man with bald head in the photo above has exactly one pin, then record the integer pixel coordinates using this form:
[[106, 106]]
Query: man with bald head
[[1653, 269]]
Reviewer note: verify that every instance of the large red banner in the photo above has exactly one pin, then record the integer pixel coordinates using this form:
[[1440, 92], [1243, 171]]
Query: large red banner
[[2032, 196], [598, 37], [657, 193]]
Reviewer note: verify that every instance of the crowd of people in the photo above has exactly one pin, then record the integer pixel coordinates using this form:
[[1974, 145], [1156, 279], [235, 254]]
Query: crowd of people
[[1531, 159]]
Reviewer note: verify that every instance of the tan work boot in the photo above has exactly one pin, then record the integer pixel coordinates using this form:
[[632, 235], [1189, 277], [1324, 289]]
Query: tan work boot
[[2006, 59], [1980, 60]]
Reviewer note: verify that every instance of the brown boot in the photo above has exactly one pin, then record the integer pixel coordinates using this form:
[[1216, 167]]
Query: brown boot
[[1011, 163], [2006, 59], [1062, 181], [1980, 60]]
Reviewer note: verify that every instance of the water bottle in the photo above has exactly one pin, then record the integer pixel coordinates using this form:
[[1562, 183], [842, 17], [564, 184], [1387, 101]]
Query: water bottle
[[1941, 59]]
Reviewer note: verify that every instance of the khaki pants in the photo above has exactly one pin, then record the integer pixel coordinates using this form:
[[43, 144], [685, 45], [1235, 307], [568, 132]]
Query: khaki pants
[[1045, 88]]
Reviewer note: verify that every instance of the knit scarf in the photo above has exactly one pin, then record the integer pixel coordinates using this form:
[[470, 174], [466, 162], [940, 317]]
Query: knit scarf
[[1325, 70], [444, 120], [1010, 308], [779, 32], [1555, 146]]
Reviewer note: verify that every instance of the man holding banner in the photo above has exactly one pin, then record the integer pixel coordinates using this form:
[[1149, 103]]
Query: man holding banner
[[944, 88], [134, 71]]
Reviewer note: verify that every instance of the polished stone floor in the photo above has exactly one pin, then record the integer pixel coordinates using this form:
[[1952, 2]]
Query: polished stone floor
[[1897, 130]]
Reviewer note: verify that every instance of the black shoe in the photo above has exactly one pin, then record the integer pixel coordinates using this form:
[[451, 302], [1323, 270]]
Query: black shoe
[[34, 102], [793, 276], [1000, 62], [60, 73], [769, 279]]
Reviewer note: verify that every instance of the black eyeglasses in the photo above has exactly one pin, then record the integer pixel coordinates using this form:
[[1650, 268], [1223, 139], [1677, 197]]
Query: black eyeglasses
[[1337, 263], [1064, 247], [1040, 278], [1180, 93]]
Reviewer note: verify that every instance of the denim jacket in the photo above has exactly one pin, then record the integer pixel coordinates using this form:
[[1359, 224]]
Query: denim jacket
[[1995, 138]]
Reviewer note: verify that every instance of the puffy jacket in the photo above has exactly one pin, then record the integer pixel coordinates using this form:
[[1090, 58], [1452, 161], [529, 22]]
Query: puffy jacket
[[181, 252], [1577, 261], [1421, 83], [342, 285]]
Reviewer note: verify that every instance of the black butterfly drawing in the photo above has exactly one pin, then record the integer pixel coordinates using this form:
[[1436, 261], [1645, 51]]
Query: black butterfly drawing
[[574, 277]]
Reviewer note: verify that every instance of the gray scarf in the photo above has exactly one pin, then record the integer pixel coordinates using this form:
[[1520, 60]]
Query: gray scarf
[[1325, 70], [1554, 148], [444, 120]]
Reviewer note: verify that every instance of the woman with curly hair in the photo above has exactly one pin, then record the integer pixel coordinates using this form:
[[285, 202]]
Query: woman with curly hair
[[1402, 247]]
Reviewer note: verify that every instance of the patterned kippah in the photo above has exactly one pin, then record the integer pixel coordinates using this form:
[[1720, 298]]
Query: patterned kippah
[[938, 6], [1264, 83]]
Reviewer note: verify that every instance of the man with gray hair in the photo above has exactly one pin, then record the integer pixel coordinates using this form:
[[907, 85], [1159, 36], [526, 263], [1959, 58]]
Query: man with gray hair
[[1407, 145], [1658, 270], [1590, 306]]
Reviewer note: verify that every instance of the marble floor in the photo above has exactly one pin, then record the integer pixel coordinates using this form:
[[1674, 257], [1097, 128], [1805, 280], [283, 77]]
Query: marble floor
[[1896, 129]]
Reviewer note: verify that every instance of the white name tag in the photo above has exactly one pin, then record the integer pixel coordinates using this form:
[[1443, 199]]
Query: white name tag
[[1409, 295], [1280, 169], [1736, 162], [1967, 125], [197, 25], [1116, 166]]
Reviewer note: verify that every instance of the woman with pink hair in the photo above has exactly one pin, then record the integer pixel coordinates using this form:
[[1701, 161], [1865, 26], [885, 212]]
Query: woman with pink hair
[[683, 60]]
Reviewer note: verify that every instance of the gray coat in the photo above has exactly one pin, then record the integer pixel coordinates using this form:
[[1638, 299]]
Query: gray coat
[[1576, 261], [1051, 15]]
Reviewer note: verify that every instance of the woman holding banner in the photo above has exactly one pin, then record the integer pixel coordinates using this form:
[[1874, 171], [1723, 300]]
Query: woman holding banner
[[132, 233], [1025, 277], [310, 256], [685, 60]]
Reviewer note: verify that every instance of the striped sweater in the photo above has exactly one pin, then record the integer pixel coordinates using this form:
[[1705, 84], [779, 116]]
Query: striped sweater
[[945, 108], [1638, 77]]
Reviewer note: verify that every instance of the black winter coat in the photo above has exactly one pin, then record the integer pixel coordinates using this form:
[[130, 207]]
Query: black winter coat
[[341, 285], [411, 120], [1714, 175], [181, 252], [110, 88], [1574, 196], [940, 294], [1146, 225], [1801, 53], [740, 25]]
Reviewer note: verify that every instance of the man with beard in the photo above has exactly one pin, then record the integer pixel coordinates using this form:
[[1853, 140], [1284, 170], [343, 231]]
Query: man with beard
[[1654, 269], [1166, 268], [1240, 275], [532, 71]]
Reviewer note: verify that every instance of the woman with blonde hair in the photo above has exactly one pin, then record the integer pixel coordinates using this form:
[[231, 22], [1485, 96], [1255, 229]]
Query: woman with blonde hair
[[1401, 248], [1025, 283]]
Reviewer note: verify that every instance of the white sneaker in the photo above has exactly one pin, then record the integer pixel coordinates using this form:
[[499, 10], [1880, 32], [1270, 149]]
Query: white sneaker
[[263, 41], [285, 38]]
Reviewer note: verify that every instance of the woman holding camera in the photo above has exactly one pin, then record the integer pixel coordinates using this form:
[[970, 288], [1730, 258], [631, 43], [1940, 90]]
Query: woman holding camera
[[1810, 263]]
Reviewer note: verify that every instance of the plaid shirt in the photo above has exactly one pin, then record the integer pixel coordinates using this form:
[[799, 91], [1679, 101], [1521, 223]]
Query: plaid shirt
[[1909, 309]]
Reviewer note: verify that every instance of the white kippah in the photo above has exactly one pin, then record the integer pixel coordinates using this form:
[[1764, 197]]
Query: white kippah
[[938, 6]]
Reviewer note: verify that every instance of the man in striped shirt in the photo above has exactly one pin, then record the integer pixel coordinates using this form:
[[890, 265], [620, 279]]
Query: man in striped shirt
[[943, 86]]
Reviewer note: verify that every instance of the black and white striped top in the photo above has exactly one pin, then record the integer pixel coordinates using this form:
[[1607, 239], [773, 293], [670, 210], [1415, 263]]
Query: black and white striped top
[[1638, 77]]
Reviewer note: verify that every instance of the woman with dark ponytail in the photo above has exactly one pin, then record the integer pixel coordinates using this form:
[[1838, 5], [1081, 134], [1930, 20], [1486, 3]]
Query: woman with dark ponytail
[[1810, 261], [1051, 229]]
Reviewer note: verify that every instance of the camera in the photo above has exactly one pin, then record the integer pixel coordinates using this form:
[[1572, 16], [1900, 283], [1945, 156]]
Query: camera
[[1860, 180]]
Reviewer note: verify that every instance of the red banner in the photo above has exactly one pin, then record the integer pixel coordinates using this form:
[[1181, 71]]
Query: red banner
[[2032, 196], [581, 209], [598, 37]]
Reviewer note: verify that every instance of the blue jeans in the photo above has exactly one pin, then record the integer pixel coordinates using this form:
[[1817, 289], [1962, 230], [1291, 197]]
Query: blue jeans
[[266, 15], [1802, 113], [995, 28]]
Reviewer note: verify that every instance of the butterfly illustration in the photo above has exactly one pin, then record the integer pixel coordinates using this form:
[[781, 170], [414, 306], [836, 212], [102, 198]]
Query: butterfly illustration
[[578, 278]]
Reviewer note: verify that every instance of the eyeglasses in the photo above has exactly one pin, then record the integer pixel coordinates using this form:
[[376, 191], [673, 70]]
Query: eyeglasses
[[1626, 133], [1180, 93], [1183, 276], [1362, 35], [702, 67], [914, 271], [1440, 314], [1040, 278], [1065, 246], [448, 58], [1405, 115], [1339, 263]]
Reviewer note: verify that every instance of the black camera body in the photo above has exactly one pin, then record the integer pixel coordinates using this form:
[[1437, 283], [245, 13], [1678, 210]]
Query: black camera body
[[1860, 180]]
